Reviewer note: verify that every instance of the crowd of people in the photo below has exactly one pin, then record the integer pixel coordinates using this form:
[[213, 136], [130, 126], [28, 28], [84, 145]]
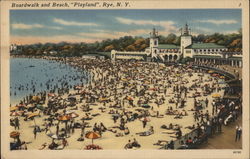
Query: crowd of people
[[118, 95]]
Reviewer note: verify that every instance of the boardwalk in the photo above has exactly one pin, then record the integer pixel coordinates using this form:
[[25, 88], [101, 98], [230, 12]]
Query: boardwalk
[[226, 140]]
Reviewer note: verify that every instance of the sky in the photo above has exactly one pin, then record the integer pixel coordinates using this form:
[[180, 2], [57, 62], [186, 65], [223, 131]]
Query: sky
[[41, 26]]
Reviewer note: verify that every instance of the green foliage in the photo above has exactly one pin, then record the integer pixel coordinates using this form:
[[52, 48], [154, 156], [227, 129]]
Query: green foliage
[[233, 41], [127, 43]]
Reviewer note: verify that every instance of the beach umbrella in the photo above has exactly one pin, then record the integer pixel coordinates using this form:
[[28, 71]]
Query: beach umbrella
[[145, 105], [72, 97], [73, 115], [83, 91], [146, 82], [35, 98], [30, 105], [14, 134], [216, 95], [152, 89], [39, 106], [78, 87], [129, 98], [33, 115], [14, 114], [92, 135], [22, 106], [69, 111], [103, 99], [51, 95], [64, 118], [147, 119], [13, 108], [215, 75]]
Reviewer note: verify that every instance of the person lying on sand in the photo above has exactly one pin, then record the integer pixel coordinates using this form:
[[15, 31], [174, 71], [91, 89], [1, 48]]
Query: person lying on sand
[[147, 133], [161, 142], [177, 134], [81, 138], [190, 127], [128, 145]]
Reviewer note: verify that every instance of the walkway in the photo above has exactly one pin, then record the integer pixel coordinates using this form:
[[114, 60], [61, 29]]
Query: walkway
[[225, 140]]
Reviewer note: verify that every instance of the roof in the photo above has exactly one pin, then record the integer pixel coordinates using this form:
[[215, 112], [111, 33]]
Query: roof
[[235, 58], [205, 46], [168, 46], [207, 56], [139, 54], [92, 54]]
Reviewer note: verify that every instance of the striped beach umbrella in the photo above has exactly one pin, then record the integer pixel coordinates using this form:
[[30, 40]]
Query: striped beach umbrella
[[13, 108], [73, 115], [33, 115], [14, 134], [15, 114], [35, 98], [210, 71], [216, 95], [92, 135], [64, 118], [51, 95], [130, 98]]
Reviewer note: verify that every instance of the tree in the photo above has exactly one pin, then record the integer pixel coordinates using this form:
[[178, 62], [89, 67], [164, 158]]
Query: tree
[[171, 38], [130, 48], [109, 48]]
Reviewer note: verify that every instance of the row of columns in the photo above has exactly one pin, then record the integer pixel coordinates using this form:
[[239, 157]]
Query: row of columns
[[171, 57], [234, 63]]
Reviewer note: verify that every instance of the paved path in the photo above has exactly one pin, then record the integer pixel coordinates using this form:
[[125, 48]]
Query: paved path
[[225, 140]]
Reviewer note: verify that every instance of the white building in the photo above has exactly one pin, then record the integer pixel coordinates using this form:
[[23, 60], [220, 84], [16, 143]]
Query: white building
[[201, 52]]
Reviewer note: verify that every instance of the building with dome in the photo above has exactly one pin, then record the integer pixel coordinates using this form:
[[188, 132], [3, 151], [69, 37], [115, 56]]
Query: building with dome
[[199, 52]]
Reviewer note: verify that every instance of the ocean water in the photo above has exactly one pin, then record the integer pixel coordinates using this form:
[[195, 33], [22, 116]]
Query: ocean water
[[31, 76]]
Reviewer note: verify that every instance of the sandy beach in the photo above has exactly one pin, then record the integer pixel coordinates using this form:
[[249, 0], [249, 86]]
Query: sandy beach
[[123, 89]]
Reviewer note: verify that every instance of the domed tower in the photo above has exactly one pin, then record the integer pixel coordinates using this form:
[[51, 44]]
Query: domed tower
[[186, 39], [153, 45]]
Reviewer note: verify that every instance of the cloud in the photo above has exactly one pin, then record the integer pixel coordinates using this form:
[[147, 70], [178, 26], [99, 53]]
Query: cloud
[[55, 27], [26, 26], [105, 34], [73, 23], [230, 32], [96, 35], [168, 26], [32, 26], [219, 22], [201, 30], [143, 22], [22, 40]]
